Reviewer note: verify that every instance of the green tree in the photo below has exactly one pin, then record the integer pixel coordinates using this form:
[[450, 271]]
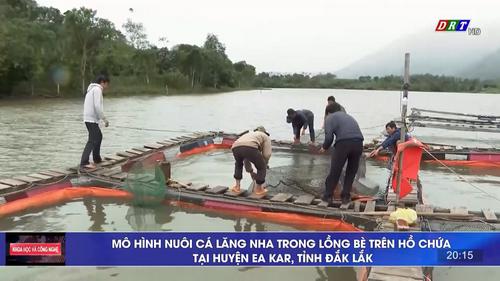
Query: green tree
[[212, 43], [218, 69], [244, 73], [3, 37], [86, 33], [188, 59], [146, 54]]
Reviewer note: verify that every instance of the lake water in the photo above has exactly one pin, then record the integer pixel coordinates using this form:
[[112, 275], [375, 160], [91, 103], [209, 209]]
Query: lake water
[[41, 134]]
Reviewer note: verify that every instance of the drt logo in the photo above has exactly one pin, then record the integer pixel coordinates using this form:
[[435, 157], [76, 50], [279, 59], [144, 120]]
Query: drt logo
[[457, 25]]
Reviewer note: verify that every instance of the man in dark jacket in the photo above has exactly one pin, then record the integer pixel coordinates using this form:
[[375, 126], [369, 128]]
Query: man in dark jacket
[[301, 119], [331, 100], [348, 147]]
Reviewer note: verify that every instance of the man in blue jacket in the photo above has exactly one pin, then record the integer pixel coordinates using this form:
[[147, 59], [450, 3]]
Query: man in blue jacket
[[301, 120], [394, 135], [391, 142]]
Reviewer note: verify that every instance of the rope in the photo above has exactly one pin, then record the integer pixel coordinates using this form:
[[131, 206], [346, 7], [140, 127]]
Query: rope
[[321, 132], [138, 128], [186, 131], [373, 127], [153, 130], [460, 176]]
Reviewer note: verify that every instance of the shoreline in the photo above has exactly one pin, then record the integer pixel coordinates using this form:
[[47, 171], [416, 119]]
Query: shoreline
[[207, 91], [112, 94], [385, 90]]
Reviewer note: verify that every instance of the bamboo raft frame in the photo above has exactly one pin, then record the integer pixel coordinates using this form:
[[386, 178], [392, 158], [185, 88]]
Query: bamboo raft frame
[[478, 116], [363, 215], [464, 121], [438, 151], [435, 148]]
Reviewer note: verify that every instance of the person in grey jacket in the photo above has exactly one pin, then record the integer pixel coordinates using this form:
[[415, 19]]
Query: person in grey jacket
[[348, 147], [331, 100], [93, 112]]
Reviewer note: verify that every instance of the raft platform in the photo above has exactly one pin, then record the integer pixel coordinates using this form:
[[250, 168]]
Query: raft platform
[[113, 171]]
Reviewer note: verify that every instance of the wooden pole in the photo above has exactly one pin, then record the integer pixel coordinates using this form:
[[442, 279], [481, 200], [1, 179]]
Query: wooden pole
[[165, 167], [404, 108]]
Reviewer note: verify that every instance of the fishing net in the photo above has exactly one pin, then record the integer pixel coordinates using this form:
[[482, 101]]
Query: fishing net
[[448, 225], [306, 174], [147, 184], [297, 179]]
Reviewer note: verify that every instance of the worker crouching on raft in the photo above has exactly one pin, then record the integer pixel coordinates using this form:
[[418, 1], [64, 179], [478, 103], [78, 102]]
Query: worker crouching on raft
[[348, 147], [253, 147], [301, 120]]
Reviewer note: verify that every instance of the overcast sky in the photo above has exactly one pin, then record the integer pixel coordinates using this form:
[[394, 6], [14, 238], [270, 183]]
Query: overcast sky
[[289, 35]]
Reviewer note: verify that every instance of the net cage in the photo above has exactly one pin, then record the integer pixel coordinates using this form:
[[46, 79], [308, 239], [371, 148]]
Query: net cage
[[146, 183], [448, 225], [306, 174]]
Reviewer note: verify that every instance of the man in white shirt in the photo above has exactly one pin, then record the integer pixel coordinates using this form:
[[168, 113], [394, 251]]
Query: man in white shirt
[[93, 112]]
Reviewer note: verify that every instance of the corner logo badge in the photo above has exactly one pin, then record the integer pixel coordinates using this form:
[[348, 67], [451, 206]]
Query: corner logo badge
[[457, 26]]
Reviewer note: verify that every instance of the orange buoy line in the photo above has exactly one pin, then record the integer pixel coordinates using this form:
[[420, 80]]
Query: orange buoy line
[[54, 197], [203, 149], [297, 220]]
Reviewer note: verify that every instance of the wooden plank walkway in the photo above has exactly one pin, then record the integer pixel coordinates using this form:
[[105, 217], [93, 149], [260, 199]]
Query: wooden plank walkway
[[395, 274], [110, 168], [366, 209], [281, 197], [409, 200]]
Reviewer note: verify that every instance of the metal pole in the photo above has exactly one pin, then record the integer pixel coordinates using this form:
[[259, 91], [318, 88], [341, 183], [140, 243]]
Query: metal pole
[[404, 108]]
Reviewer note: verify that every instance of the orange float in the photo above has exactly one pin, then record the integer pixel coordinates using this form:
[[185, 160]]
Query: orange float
[[300, 221], [204, 149], [55, 197]]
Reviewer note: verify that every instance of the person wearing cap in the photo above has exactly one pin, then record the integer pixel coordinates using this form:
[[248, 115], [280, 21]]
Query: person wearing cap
[[331, 100], [301, 120], [348, 148], [255, 148]]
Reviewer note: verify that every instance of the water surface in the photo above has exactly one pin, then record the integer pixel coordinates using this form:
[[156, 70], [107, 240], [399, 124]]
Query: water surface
[[41, 134]]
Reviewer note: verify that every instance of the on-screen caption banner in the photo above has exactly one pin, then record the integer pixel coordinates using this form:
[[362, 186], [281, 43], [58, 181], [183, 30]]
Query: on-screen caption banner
[[266, 249]]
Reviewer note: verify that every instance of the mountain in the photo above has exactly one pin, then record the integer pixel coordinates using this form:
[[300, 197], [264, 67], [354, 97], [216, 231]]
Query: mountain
[[439, 53], [486, 68]]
